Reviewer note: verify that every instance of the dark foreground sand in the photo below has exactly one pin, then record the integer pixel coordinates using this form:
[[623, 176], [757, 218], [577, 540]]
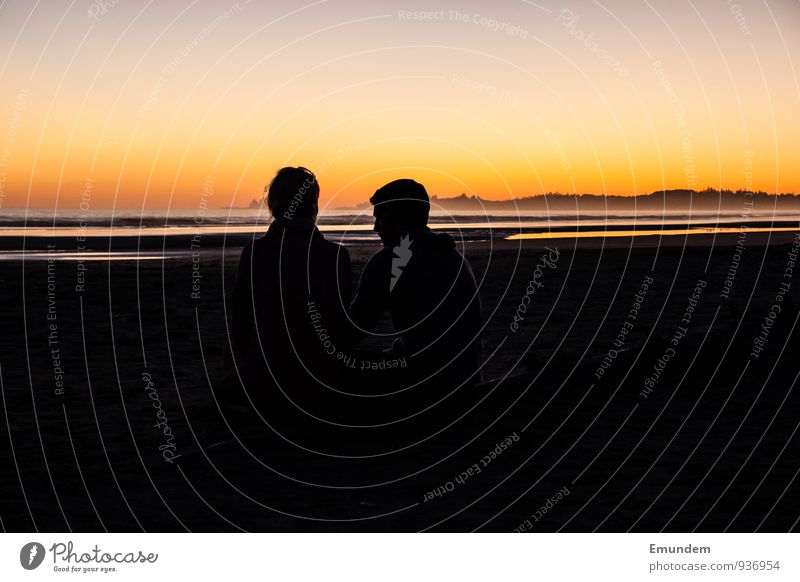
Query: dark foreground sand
[[550, 444]]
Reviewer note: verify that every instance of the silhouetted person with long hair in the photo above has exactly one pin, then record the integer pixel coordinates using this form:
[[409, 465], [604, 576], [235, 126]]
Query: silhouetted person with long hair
[[427, 288], [289, 304]]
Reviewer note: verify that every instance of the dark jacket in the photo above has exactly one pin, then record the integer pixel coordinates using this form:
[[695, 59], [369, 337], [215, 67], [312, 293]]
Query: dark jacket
[[289, 311], [428, 289]]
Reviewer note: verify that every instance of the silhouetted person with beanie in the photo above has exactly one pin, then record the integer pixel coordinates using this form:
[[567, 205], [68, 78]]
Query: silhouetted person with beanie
[[427, 288]]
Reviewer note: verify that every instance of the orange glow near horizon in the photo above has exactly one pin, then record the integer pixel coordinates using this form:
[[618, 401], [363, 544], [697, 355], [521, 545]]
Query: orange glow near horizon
[[133, 108]]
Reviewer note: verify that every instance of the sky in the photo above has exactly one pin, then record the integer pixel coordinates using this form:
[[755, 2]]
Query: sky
[[135, 104]]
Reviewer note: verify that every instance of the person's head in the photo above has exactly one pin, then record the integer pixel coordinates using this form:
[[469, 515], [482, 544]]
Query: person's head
[[401, 207], [293, 193]]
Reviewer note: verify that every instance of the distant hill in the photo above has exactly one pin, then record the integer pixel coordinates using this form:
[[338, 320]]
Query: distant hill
[[255, 204], [707, 200]]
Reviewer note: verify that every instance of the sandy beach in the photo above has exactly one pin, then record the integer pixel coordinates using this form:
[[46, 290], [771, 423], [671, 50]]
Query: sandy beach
[[637, 391]]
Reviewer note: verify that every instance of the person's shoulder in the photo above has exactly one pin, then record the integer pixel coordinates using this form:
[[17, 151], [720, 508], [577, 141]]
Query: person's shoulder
[[331, 247], [378, 264], [380, 257], [247, 249], [257, 244]]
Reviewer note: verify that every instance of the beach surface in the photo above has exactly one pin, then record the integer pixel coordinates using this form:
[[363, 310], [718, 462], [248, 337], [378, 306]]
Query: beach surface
[[685, 421]]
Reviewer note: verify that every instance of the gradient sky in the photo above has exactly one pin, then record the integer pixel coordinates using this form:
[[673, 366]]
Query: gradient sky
[[134, 103]]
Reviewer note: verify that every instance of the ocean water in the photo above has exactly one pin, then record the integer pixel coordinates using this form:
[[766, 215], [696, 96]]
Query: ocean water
[[24, 232]]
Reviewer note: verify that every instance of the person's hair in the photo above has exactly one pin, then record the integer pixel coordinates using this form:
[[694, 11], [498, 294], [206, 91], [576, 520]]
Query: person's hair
[[293, 193], [403, 201]]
